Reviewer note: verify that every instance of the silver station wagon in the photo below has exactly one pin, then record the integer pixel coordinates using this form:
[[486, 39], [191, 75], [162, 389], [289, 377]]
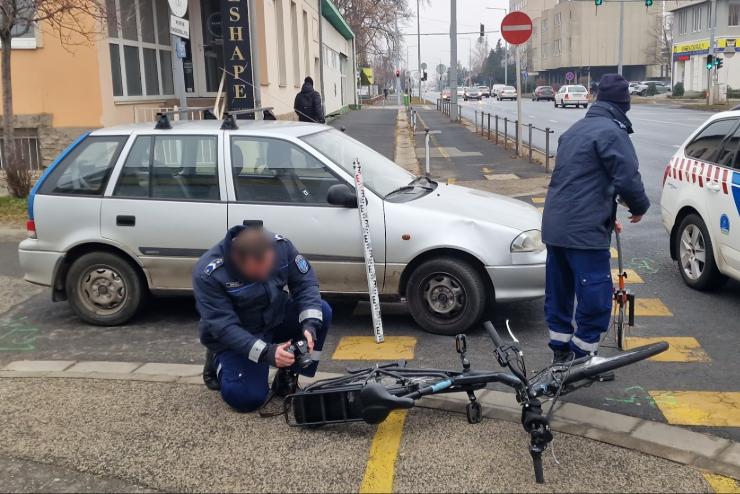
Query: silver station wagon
[[126, 211]]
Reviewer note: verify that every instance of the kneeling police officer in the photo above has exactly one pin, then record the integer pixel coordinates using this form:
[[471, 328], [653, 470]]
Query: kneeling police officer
[[258, 300]]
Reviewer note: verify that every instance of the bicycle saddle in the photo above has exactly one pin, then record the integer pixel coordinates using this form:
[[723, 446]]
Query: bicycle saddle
[[377, 403]]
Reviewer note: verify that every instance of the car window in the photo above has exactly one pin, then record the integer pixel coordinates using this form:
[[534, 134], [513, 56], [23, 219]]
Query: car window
[[171, 167], [730, 154], [576, 89], [277, 171], [85, 170], [707, 144]]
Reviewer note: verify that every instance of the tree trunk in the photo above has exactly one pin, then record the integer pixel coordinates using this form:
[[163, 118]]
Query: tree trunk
[[17, 173]]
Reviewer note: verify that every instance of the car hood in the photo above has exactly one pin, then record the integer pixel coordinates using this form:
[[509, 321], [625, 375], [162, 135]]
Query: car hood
[[473, 204]]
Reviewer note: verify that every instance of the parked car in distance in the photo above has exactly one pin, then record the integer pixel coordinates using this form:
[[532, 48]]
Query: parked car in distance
[[446, 94], [496, 88], [660, 87], [636, 87], [573, 95], [472, 93], [460, 93], [127, 211], [700, 203], [485, 91], [546, 93], [507, 92]]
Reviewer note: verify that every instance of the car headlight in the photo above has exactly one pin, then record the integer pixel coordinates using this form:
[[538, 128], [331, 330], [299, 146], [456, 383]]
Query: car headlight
[[529, 241]]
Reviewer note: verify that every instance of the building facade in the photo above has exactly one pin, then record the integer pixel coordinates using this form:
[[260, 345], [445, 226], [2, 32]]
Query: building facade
[[127, 73], [577, 37], [692, 25]]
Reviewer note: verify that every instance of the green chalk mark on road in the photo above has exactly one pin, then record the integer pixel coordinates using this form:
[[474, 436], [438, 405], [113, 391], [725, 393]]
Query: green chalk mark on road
[[16, 337], [633, 395]]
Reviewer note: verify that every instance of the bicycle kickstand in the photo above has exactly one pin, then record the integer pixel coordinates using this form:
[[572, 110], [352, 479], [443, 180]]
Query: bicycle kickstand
[[473, 409]]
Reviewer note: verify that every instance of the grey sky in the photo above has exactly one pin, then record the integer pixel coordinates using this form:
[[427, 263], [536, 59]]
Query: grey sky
[[435, 18]]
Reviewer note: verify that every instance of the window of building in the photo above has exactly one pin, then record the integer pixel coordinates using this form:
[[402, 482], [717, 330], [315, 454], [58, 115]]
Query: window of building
[[697, 14], [558, 20], [707, 144], [733, 18], [280, 32], [139, 46], [276, 171], [306, 46], [556, 48], [177, 167], [23, 34], [683, 21], [296, 49], [85, 170]]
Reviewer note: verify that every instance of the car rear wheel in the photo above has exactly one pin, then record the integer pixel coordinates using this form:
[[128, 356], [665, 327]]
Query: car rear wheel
[[104, 289], [446, 296], [695, 255]]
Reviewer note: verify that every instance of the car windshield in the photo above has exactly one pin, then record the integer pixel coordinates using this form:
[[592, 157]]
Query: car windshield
[[379, 174], [577, 89]]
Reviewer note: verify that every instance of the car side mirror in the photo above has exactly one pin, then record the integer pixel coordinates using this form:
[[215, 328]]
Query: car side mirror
[[341, 195]]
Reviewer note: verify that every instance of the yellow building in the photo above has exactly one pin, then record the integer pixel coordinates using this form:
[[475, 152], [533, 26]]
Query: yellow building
[[126, 72]]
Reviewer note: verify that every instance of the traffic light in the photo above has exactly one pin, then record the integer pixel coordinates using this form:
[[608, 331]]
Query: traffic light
[[718, 62], [482, 30], [710, 62], [648, 3], [598, 2]]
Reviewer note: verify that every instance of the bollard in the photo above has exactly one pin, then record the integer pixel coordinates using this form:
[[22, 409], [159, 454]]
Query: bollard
[[530, 142], [547, 149], [496, 129], [459, 113], [489, 126], [506, 132], [426, 151], [482, 114], [476, 121]]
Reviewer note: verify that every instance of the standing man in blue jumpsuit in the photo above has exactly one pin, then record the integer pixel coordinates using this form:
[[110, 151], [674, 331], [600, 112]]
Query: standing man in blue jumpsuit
[[255, 293], [596, 162]]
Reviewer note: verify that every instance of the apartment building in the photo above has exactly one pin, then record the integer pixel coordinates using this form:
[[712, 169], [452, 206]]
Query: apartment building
[[126, 73], [578, 37], [692, 25]]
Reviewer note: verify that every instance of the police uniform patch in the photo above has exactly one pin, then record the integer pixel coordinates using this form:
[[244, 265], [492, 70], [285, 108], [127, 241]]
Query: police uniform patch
[[213, 265], [302, 264]]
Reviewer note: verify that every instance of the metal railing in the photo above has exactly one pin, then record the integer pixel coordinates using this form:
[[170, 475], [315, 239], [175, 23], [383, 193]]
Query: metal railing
[[500, 131], [28, 150], [445, 106]]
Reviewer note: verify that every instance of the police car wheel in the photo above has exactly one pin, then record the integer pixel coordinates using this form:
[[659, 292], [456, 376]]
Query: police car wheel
[[446, 296], [104, 289], [693, 247]]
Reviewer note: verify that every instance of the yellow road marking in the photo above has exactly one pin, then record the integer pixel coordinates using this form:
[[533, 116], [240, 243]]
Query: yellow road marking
[[613, 252], [538, 200], [682, 348], [365, 348], [651, 307], [632, 276], [381, 465], [721, 484], [485, 169], [451, 180], [712, 408]]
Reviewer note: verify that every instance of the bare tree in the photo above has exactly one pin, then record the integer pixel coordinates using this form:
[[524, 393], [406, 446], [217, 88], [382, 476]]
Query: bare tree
[[658, 51], [71, 20]]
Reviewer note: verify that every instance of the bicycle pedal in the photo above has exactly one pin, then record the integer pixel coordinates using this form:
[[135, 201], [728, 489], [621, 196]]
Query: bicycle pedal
[[605, 377]]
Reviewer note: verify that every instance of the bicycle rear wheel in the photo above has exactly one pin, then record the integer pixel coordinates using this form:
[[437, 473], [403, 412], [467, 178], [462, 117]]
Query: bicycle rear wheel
[[600, 365], [621, 331]]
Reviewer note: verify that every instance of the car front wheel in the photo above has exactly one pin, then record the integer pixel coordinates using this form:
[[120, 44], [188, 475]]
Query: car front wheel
[[104, 289], [695, 255], [446, 296]]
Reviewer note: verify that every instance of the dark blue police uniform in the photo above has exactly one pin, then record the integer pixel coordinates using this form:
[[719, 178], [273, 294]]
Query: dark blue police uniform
[[239, 318], [595, 162]]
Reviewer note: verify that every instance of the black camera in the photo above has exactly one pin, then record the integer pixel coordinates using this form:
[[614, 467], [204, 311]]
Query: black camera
[[299, 349]]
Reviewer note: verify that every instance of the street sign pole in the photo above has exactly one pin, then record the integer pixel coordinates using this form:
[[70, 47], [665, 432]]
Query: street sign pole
[[518, 98], [418, 45], [516, 29], [453, 60], [620, 48]]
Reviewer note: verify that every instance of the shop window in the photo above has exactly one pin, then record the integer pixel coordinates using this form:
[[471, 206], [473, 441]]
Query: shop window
[[139, 44]]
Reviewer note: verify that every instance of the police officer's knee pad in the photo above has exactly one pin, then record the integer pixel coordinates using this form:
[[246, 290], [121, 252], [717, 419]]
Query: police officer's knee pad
[[243, 398]]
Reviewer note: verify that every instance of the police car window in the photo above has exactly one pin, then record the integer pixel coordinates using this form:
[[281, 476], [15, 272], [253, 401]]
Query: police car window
[[730, 154], [277, 171], [85, 170], [707, 144], [171, 167]]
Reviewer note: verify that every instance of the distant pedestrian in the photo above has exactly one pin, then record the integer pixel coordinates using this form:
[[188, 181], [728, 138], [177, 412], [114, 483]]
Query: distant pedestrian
[[307, 103], [385, 93], [596, 162]]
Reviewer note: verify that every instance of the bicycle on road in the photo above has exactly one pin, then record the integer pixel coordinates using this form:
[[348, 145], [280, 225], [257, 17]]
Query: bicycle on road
[[370, 394]]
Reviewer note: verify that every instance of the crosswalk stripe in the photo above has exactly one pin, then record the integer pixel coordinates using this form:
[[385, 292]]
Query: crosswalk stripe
[[710, 408], [486, 169], [651, 307], [722, 484], [381, 465], [365, 348], [681, 349], [538, 200], [632, 276]]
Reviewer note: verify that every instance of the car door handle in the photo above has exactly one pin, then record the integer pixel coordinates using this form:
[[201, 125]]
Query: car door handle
[[713, 186], [125, 220]]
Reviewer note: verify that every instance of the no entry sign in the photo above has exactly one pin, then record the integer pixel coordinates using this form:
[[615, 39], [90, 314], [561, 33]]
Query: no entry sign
[[516, 28]]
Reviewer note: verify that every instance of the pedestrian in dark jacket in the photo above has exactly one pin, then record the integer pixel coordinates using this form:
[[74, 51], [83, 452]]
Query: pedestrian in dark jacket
[[307, 103], [595, 163]]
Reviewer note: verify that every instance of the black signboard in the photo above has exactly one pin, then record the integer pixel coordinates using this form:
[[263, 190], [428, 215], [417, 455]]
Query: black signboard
[[239, 82]]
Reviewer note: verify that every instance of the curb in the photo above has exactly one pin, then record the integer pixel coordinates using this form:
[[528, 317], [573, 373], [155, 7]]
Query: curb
[[702, 451]]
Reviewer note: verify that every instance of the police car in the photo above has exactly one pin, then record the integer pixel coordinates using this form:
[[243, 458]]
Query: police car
[[126, 211], [700, 204]]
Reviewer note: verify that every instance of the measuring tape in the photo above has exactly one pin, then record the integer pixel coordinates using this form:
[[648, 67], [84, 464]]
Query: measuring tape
[[372, 283]]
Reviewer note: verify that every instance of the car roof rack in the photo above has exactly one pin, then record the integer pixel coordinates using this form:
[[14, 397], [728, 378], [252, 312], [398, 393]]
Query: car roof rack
[[163, 117], [230, 122]]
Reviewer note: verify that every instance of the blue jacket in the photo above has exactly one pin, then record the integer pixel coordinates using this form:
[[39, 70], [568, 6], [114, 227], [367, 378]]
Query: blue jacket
[[595, 162], [238, 314]]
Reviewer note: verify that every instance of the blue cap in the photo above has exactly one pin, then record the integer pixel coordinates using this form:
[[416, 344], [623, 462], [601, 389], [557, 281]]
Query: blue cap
[[613, 88]]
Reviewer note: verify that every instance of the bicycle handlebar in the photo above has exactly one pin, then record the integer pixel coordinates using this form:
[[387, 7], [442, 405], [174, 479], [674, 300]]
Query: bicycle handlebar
[[495, 337]]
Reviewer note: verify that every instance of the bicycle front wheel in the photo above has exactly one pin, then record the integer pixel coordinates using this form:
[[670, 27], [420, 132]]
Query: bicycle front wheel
[[600, 365], [621, 332]]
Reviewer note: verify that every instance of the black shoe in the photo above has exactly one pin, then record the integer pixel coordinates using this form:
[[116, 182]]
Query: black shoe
[[284, 383], [562, 356], [210, 378]]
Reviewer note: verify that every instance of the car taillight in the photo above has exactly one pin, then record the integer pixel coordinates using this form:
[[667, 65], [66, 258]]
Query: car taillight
[[567, 96], [31, 228]]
